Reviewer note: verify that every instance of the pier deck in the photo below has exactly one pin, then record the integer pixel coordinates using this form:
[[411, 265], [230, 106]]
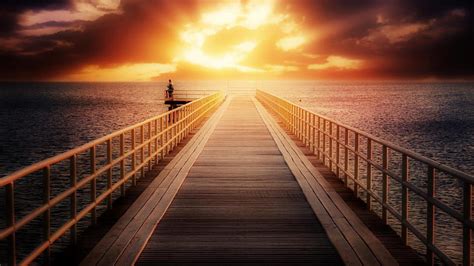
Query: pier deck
[[239, 203], [240, 191]]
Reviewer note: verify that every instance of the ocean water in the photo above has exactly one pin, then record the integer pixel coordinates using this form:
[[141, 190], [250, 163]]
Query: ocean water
[[39, 120]]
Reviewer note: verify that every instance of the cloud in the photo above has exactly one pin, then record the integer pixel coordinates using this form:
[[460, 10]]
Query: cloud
[[291, 42], [281, 68], [241, 39], [396, 39], [129, 72], [135, 35], [337, 62]]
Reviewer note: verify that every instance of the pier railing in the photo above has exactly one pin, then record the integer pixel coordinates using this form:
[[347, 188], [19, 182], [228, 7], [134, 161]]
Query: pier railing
[[192, 94], [143, 145], [339, 147]]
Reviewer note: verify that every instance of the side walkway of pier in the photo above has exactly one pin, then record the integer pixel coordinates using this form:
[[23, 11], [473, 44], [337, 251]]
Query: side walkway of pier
[[240, 191]]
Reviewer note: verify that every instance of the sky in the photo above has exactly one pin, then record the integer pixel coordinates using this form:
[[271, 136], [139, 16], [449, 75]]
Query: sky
[[147, 40]]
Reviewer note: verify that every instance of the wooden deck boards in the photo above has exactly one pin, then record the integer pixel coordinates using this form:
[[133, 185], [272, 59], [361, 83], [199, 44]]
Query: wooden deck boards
[[239, 204]]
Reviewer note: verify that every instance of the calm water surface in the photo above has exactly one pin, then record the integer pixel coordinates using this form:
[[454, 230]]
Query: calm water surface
[[39, 120]]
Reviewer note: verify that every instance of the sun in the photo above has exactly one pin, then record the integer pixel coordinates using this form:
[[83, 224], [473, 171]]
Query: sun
[[250, 16]]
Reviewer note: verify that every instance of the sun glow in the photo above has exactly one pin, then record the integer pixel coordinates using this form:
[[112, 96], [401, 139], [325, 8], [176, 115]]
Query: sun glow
[[251, 16]]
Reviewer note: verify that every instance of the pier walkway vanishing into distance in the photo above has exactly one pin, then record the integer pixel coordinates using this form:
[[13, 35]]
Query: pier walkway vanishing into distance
[[237, 179]]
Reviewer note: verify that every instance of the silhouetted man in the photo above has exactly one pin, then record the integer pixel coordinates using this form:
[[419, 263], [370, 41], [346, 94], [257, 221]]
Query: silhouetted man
[[170, 90]]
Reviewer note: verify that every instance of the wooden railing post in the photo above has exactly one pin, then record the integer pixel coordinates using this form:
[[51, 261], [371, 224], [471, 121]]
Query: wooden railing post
[[384, 183], [356, 164], [330, 146], [346, 156], [10, 221], [369, 173], [338, 151], [181, 124], [290, 116], [295, 121], [430, 219], [122, 164], [47, 213], [306, 128], [404, 199], [162, 137], [292, 119], [313, 136], [319, 138], [93, 186], [178, 121], [142, 151], [167, 132], [324, 142], [73, 200], [134, 156], [467, 232], [156, 141], [172, 130], [299, 122], [149, 146], [109, 173]]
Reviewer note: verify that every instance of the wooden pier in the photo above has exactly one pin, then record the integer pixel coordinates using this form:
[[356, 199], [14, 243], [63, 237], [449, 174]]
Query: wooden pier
[[258, 181], [243, 206]]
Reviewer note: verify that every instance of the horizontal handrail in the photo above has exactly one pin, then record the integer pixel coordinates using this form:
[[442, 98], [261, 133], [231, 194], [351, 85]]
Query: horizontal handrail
[[327, 138], [164, 132], [57, 158]]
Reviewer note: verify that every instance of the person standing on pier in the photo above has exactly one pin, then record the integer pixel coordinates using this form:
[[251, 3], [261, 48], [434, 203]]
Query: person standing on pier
[[169, 90]]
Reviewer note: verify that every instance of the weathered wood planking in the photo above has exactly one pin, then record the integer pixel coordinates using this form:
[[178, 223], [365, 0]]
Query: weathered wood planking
[[239, 203]]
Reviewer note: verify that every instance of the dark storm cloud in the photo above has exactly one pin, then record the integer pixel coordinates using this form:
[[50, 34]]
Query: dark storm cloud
[[11, 9], [139, 33], [439, 46]]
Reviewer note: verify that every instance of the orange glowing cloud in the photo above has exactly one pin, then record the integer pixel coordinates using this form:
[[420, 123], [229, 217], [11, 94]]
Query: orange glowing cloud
[[129, 72]]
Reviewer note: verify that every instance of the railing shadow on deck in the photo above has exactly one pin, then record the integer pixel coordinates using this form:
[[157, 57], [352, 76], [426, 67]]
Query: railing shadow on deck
[[127, 153], [338, 146]]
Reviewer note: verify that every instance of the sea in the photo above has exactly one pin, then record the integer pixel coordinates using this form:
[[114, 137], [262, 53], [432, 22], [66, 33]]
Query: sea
[[436, 119]]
